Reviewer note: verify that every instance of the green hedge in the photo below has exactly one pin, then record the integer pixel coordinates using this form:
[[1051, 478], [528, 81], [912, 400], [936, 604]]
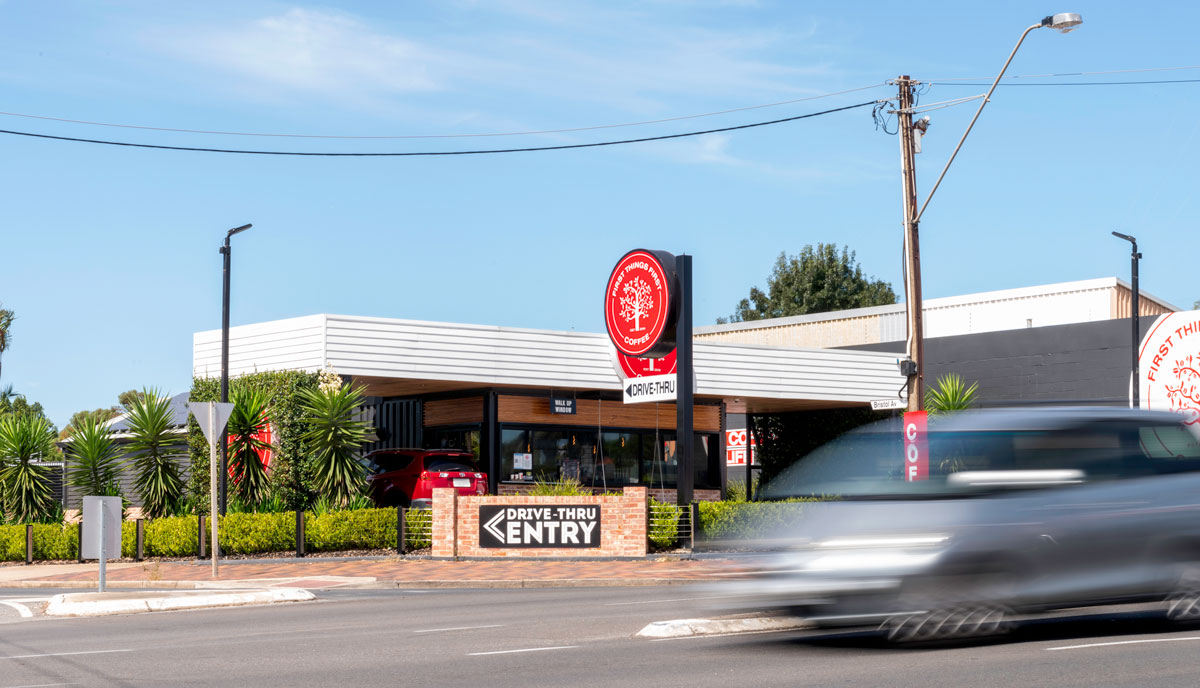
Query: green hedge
[[664, 524], [728, 520], [239, 533]]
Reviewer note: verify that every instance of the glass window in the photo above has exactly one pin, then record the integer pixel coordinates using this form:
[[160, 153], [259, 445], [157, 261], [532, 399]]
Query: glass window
[[514, 444], [465, 439], [619, 458], [438, 463], [386, 462]]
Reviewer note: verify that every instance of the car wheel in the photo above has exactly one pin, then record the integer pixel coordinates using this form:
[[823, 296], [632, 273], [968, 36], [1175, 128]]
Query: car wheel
[[960, 622], [1183, 604]]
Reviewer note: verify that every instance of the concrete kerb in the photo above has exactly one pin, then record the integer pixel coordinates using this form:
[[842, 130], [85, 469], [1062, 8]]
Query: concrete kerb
[[686, 628], [106, 603]]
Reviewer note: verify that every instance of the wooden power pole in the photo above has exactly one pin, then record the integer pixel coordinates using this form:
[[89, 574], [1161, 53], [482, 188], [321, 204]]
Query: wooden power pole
[[912, 250]]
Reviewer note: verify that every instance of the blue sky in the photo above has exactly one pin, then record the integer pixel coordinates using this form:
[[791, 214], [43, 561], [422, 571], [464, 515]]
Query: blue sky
[[110, 254]]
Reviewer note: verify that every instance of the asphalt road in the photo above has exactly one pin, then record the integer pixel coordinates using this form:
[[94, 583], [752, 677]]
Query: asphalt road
[[550, 637]]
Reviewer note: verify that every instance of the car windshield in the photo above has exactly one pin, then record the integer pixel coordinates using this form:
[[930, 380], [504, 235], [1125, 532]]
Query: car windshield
[[869, 463], [450, 464]]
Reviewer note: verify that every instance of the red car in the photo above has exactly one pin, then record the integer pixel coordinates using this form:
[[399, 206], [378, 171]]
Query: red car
[[406, 477]]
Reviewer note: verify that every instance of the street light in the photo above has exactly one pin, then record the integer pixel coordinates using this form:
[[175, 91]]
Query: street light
[[1063, 22], [1133, 260], [225, 251]]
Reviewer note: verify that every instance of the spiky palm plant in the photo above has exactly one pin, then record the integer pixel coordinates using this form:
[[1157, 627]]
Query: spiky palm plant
[[951, 393], [154, 450], [28, 495], [93, 460], [249, 418], [332, 437]]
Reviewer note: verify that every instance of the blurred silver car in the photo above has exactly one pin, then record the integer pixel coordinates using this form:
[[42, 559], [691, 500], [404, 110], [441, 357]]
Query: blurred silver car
[[1020, 511]]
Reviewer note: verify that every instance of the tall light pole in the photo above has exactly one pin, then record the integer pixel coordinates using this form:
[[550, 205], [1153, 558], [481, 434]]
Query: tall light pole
[[1133, 261], [1063, 22], [225, 356]]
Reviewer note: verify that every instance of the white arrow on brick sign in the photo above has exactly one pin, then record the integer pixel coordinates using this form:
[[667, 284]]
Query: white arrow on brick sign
[[492, 527]]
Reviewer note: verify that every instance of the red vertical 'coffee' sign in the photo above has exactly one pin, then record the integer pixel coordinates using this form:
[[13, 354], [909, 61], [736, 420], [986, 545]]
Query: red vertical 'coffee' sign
[[916, 446]]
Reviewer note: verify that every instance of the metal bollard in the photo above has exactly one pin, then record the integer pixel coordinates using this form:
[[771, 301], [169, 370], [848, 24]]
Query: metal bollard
[[401, 530], [201, 550], [140, 550], [693, 520], [299, 532], [80, 532], [28, 543]]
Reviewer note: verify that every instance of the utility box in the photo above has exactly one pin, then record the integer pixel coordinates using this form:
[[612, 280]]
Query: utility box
[[95, 511]]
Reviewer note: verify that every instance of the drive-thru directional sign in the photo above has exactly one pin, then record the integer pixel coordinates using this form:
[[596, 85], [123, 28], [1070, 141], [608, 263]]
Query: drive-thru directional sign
[[653, 388], [557, 525]]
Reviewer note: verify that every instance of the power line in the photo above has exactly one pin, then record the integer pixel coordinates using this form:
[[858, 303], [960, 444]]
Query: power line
[[1045, 76], [441, 136], [432, 153], [1072, 83]]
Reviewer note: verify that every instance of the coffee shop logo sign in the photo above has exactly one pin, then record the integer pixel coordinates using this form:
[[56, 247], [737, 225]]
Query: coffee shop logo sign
[[1170, 360]]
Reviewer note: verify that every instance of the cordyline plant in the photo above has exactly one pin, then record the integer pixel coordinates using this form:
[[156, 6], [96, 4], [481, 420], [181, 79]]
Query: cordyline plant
[[950, 394], [246, 424], [93, 460], [332, 436], [24, 439], [154, 449]]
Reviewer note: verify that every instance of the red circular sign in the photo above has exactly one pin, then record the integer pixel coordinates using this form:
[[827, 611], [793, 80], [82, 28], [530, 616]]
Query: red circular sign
[[637, 303], [645, 367], [266, 434]]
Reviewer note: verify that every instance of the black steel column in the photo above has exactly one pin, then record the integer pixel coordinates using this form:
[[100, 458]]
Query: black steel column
[[1136, 325], [224, 443], [749, 457], [685, 439], [489, 440]]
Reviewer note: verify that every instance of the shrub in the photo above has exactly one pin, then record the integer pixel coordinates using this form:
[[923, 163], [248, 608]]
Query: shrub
[[726, 520], [153, 451], [93, 460], [254, 533], [169, 537], [246, 425], [356, 529], [567, 487], [664, 524], [24, 438], [418, 528], [332, 435]]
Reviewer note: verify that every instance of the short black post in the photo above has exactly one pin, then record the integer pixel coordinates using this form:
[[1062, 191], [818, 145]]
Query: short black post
[[401, 530], [28, 543], [140, 551], [201, 550], [80, 529], [694, 522], [299, 532]]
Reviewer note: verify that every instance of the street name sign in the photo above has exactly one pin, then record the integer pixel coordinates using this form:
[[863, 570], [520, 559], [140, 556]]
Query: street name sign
[[653, 388], [887, 404], [568, 526]]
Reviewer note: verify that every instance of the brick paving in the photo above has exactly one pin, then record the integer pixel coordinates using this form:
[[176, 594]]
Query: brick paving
[[315, 573]]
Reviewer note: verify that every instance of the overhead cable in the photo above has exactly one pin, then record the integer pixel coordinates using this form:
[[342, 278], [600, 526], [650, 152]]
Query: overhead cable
[[1046, 76], [441, 136], [193, 149]]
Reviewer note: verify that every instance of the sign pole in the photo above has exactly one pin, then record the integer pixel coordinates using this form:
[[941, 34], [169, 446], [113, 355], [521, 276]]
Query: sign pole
[[103, 551], [214, 549], [685, 439]]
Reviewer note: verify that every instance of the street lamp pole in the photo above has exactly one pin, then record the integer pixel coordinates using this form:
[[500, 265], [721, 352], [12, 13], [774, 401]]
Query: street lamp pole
[[1136, 334], [225, 251], [1063, 22]]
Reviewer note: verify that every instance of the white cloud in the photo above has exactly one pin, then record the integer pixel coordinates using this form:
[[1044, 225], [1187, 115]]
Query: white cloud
[[309, 51]]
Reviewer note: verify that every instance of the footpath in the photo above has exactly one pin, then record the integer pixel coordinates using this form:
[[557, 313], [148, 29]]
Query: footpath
[[171, 585]]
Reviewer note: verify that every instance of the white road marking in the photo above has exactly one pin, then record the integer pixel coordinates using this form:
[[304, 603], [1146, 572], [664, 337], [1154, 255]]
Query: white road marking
[[1121, 642], [21, 609], [528, 649], [677, 599], [719, 635], [64, 654], [45, 685], [457, 628]]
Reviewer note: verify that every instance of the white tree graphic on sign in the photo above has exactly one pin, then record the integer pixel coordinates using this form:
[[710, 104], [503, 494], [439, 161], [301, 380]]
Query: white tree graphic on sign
[[636, 302]]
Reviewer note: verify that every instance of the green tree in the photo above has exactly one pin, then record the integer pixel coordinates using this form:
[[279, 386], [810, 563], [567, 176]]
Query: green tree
[[93, 460], [128, 397], [333, 436], [154, 449], [79, 418], [816, 281], [249, 418], [25, 440], [6, 319]]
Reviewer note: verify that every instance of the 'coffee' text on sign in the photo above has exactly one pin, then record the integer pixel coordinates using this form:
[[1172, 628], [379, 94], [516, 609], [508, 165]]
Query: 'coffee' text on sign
[[916, 446]]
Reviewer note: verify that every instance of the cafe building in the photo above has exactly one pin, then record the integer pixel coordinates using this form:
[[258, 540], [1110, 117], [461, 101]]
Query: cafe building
[[548, 405]]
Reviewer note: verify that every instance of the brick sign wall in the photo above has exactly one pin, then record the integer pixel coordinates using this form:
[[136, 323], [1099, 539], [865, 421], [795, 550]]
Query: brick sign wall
[[524, 526]]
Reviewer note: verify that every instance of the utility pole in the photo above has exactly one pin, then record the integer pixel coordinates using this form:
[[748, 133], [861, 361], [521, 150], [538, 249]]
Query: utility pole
[[912, 250]]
